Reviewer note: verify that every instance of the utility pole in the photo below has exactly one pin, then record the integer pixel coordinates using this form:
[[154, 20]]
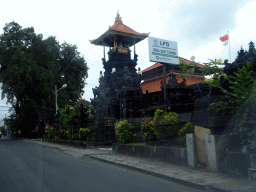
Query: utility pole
[[164, 84]]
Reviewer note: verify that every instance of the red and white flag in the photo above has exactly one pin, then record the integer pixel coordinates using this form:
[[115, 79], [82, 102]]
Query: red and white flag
[[224, 39]]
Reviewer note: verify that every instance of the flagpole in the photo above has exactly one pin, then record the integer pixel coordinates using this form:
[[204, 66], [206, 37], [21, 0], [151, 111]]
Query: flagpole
[[229, 46]]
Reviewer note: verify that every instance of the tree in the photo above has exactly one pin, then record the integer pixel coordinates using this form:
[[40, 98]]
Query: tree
[[31, 66], [192, 69], [189, 69], [239, 101], [73, 73], [241, 85]]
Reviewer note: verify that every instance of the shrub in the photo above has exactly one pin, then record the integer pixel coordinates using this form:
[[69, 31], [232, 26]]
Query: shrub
[[62, 134], [147, 130], [188, 128], [69, 135], [84, 134], [165, 124], [52, 132], [125, 132], [68, 117], [75, 137]]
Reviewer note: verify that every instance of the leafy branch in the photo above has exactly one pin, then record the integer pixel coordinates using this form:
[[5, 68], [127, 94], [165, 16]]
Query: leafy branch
[[191, 69]]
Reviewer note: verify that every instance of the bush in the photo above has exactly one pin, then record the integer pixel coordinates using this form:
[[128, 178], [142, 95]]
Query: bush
[[75, 137], [52, 132], [84, 134], [62, 134], [148, 131], [125, 132], [165, 124], [188, 128], [69, 135]]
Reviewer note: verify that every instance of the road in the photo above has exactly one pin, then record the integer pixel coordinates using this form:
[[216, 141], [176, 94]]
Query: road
[[29, 167]]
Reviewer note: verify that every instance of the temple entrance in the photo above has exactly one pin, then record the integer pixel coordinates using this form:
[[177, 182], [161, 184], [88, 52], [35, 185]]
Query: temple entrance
[[109, 131]]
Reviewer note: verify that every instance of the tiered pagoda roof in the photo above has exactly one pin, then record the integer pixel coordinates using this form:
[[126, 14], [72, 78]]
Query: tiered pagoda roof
[[119, 32]]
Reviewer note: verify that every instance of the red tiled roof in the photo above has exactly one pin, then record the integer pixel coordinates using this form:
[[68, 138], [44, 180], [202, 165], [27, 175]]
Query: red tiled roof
[[152, 67], [180, 59], [120, 29], [119, 26]]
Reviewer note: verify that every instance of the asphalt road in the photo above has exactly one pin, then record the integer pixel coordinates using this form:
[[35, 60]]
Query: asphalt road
[[27, 167]]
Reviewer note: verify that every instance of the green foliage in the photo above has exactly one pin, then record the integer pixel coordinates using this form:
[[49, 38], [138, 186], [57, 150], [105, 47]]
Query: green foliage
[[90, 111], [147, 130], [62, 134], [31, 66], [2, 130], [241, 85], [188, 128], [75, 137], [52, 133], [74, 70], [125, 132], [69, 135], [84, 134], [191, 69], [12, 123], [238, 101], [210, 80], [68, 117], [165, 124]]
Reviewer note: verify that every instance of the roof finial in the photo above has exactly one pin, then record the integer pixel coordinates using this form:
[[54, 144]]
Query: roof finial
[[118, 18]]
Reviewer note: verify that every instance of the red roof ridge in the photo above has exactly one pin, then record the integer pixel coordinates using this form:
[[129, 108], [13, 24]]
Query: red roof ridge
[[152, 67], [159, 64]]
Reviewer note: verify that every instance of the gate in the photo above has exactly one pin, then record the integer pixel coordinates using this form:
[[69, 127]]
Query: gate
[[109, 131]]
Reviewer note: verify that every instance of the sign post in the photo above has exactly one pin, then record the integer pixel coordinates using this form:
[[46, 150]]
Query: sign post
[[165, 52], [164, 83]]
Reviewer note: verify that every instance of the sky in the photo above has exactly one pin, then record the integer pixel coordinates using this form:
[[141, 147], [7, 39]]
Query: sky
[[196, 26]]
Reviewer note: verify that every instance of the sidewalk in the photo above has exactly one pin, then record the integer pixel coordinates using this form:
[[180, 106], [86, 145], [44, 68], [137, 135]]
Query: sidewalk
[[200, 179]]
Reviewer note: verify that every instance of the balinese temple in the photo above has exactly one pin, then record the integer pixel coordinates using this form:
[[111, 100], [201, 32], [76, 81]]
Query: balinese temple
[[119, 95], [122, 95]]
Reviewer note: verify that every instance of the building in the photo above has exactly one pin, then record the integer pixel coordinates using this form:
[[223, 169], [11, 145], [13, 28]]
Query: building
[[119, 95], [153, 76]]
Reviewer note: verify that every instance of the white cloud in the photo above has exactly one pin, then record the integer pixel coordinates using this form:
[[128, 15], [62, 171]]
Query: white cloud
[[195, 25]]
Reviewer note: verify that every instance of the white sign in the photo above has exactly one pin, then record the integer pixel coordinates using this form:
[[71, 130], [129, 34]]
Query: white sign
[[161, 50]]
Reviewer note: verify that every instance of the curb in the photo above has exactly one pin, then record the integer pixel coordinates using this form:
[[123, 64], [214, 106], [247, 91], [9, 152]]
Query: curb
[[168, 178], [187, 183]]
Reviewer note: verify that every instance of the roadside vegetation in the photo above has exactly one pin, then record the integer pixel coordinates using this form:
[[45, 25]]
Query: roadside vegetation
[[238, 100], [31, 66]]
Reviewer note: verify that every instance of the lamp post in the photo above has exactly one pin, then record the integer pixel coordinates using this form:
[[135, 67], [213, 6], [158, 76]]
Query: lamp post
[[56, 91]]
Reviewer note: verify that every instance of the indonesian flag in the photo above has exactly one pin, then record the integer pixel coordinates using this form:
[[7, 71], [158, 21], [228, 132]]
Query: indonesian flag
[[224, 39]]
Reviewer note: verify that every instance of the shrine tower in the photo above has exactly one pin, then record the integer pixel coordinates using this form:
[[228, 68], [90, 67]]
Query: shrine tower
[[119, 38], [119, 91]]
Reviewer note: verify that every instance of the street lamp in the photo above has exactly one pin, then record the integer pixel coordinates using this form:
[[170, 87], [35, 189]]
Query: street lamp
[[63, 86]]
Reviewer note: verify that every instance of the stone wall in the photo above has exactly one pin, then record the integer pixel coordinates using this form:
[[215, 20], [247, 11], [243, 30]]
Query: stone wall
[[167, 154], [209, 118]]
